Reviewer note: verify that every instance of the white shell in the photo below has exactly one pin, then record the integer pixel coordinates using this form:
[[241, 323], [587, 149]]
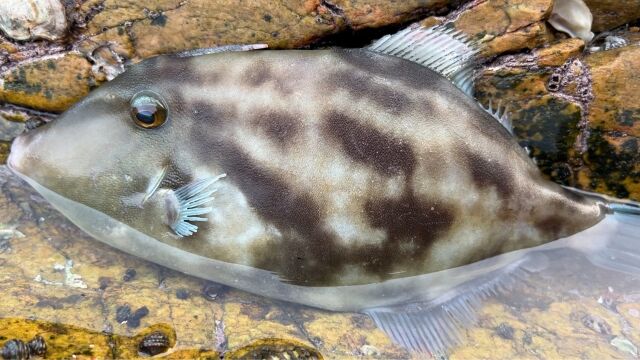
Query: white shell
[[31, 19], [572, 17]]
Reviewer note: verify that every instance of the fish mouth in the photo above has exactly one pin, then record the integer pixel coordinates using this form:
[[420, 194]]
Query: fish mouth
[[16, 155]]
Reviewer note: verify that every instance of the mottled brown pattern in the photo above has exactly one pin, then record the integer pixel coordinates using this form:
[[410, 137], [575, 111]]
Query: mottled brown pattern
[[257, 74], [361, 85], [309, 254], [388, 67], [210, 114], [409, 220], [366, 145], [263, 75], [277, 125], [488, 174]]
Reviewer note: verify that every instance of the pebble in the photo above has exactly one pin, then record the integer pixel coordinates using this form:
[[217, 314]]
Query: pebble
[[129, 274]]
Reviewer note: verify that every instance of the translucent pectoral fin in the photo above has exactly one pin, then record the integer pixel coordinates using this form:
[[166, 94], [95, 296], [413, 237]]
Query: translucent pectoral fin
[[187, 204]]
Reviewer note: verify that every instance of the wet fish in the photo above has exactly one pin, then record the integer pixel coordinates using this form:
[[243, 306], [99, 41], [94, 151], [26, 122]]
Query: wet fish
[[345, 179]]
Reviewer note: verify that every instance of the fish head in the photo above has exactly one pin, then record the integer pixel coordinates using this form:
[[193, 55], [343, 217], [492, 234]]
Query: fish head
[[111, 150]]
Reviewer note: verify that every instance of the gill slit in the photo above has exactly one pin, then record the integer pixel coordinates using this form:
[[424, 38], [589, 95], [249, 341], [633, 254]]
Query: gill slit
[[154, 184]]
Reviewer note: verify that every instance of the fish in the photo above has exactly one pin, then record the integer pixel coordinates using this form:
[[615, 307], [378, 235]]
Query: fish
[[364, 180]]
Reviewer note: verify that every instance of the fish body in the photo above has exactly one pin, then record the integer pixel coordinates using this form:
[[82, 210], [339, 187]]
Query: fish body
[[344, 179]]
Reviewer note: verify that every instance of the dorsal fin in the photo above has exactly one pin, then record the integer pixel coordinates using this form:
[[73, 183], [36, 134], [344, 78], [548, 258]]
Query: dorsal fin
[[220, 49], [440, 48], [500, 114]]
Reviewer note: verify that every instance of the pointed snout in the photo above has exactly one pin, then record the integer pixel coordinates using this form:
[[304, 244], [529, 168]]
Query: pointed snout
[[21, 152]]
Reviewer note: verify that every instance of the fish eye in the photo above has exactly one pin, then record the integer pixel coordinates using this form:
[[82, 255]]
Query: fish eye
[[148, 110]]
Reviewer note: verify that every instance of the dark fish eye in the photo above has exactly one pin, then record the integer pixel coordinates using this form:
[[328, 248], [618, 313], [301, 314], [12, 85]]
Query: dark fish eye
[[147, 110]]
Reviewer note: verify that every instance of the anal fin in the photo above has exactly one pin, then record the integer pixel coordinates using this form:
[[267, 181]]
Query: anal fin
[[435, 326], [500, 114]]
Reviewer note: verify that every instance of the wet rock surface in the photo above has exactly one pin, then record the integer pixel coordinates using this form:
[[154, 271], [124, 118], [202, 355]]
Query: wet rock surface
[[576, 110], [609, 14]]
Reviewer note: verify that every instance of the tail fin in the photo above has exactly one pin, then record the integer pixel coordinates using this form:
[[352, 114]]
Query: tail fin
[[619, 248]]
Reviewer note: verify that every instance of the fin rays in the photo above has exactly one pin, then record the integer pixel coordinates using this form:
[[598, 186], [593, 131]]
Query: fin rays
[[435, 326], [190, 198], [444, 50], [500, 114]]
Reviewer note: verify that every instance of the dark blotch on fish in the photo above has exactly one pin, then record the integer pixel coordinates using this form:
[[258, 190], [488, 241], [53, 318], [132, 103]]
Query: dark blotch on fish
[[369, 146], [278, 126], [153, 344], [257, 74], [488, 174], [387, 68], [212, 115], [407, 219], [295, 215], [551, 225]]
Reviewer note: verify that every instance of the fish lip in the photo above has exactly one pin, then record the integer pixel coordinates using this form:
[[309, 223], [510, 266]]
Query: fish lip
[[12, 156]]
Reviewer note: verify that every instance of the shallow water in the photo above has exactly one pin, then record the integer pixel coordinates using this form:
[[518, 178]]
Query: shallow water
[[89, 300]]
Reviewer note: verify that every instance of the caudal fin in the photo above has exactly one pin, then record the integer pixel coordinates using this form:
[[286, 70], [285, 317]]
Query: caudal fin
[[617, 245]]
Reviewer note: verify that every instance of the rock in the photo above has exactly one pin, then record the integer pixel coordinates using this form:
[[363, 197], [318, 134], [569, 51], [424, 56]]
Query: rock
[[503, 26], [609, 14], [577, 112], [51, 83], [33, 19]]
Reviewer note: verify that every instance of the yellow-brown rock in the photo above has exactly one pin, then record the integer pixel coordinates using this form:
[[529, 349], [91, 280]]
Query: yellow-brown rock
[[577, 112], [506, 26], [51, 83], [609, 14], [559, 52]]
